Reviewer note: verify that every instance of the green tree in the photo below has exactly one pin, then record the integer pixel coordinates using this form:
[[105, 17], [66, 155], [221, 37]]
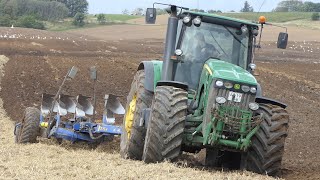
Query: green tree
[[49, 11], [125, 11], [5, 21], [9, 7], [78, 19], [40, 9], [161, 11], [315, 16], [137, 12], [101, 18], [198, 10], [247, 7], [29, 22], [75, 6], [291, 5], [310, 7], [211, 11], [280, 9]]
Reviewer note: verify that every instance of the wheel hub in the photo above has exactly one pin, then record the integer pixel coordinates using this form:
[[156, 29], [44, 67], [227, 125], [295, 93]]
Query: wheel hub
[[130, 115]]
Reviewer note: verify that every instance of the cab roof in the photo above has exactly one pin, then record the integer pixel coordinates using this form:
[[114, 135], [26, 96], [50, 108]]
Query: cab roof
[[216, 17]]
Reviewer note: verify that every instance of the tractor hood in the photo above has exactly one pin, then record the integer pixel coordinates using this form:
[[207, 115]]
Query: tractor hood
[[224, 70]]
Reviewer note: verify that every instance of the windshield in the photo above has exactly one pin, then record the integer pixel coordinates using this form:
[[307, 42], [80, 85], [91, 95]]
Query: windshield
[[215, 41], [198, 44]]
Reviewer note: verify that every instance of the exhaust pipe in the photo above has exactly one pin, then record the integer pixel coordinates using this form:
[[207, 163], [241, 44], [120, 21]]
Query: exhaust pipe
[[167, 67]]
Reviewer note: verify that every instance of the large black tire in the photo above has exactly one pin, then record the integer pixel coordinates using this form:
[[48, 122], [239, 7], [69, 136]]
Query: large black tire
[[166, 125], [265, 154], [132, 147], [29, 129]]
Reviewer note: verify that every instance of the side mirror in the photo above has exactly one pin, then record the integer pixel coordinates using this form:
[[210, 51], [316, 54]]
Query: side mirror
[[151, 15], [72, 72], [93, 73], [282, 40]]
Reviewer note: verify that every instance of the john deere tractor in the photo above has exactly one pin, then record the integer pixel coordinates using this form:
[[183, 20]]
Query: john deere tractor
[[204, 96]]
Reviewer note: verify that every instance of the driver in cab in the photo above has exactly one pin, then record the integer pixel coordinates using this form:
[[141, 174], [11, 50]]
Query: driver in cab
[[204, 50]]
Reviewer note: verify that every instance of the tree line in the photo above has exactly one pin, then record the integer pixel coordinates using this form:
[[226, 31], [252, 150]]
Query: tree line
[[30, 13], [297, 5]]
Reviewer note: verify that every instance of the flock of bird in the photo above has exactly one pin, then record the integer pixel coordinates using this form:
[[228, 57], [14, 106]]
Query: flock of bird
[[12, 35], [304, 46]]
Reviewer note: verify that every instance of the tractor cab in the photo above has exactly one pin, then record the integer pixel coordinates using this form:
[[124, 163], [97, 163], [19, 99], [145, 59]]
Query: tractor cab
[[193, 38], [203, 37]]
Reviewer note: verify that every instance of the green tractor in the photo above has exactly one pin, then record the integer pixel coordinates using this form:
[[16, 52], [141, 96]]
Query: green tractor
[[203, 95]]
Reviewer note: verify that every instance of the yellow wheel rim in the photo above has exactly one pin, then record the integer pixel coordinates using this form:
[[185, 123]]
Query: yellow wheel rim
[[130, 115]]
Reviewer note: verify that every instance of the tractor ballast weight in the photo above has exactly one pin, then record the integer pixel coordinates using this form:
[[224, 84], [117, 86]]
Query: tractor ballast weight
[[70, 118], [204, 95]]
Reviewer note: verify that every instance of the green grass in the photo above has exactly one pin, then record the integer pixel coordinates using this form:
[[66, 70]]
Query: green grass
[[114, 17], [276, 17], [120, 17], [91, 21]]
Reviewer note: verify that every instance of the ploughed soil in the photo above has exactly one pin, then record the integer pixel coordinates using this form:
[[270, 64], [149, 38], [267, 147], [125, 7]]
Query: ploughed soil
[[39, 60]]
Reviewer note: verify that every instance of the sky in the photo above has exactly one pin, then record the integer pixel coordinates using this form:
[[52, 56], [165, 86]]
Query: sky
[[117, 6]]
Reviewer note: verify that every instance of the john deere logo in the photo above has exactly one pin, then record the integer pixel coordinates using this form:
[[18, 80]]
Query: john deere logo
[[237, 86]]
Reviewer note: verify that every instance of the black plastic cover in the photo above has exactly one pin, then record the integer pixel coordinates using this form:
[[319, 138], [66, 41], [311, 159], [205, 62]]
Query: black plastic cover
[[151, 15], [282, 40]]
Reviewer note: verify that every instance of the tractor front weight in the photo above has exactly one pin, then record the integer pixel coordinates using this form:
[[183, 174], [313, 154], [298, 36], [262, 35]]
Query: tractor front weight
[[231, 127]]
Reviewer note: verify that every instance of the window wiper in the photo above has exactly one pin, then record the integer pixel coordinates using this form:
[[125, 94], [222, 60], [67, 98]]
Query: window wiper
[[218, 44], [235, 36]]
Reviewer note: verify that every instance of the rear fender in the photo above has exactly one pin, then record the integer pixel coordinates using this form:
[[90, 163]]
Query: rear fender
[[153, 70]]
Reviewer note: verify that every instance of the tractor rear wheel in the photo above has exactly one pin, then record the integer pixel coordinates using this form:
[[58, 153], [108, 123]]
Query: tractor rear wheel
[[29, 128], [132, 138], [166, 125], [265, 154]]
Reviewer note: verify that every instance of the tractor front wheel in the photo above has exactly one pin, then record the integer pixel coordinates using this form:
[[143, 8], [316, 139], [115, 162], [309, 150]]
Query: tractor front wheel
[[132, 137], [166, 125], [29, 127], [265, 154]]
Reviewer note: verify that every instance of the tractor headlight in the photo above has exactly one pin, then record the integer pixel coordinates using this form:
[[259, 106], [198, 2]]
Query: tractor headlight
[[245, 88], [244, 29], [228, 85], [252, 66], [197, 21], [221, 100], [254, 106], [219, 83], [253, 90], [178, 52], [186, 19]]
